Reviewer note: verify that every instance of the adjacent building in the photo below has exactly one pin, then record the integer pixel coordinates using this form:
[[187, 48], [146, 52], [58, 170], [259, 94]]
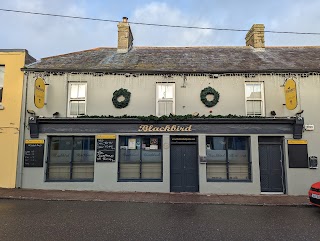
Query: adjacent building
[[11, 89], [238, 120]]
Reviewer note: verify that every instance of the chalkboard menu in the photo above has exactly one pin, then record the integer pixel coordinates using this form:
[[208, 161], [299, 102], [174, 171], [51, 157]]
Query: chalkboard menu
[[298, 153], [33, 153], [106, 148]]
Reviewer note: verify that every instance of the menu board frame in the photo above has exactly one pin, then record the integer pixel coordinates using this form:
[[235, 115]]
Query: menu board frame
[[34, 153], [106, 148]]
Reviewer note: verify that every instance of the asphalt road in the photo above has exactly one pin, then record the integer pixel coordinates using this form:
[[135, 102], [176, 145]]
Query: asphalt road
[[26, 220]]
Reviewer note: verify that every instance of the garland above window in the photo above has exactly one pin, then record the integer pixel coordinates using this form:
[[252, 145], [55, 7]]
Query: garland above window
[[118, 93], [209, 91]]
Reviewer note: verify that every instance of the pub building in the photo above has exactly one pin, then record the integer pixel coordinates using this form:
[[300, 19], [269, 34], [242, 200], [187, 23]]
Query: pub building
[[224, 120]]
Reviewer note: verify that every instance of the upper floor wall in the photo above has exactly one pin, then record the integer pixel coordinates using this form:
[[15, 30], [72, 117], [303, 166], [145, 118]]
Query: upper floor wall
[[91, 94]]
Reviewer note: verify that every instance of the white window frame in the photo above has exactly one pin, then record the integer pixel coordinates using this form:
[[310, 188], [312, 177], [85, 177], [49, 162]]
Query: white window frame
[[76, 99], [2, 72], [158, 100], [262, 99]]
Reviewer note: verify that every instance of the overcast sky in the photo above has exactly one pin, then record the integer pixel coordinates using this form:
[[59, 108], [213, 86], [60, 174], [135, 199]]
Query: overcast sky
[[46, 36]]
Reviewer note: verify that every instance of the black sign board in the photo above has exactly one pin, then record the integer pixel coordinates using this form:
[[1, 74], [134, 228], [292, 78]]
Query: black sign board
[[106, 148], [298, 154], [33, 153]]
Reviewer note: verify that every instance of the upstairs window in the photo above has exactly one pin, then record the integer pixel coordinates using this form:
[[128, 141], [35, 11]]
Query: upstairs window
[[1, 81], [254, 99], [77, 99], [165, 99]]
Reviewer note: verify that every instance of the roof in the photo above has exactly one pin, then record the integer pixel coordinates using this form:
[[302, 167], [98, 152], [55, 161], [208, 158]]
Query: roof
[[186, 60], [28, 60]]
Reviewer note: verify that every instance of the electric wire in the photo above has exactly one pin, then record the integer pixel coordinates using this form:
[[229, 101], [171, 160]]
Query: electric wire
[[154, 24]]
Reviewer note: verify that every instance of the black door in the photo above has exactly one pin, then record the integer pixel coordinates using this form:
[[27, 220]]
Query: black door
[[271, 165], [184, 168]]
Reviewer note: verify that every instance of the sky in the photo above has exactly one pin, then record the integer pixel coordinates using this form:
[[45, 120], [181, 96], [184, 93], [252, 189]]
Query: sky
[[45, 36]]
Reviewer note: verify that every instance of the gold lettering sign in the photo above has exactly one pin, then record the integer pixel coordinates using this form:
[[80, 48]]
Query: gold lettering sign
[[39, 93], [166, 128], [290, 91]]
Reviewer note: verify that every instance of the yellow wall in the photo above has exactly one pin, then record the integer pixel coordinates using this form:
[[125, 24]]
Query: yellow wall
[[10, 115]]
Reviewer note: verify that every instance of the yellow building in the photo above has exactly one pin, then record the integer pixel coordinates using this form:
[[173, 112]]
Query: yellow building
[[11, 89]]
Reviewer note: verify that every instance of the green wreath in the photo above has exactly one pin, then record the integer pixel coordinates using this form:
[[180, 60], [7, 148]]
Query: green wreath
[[209, 91], [121, 92]]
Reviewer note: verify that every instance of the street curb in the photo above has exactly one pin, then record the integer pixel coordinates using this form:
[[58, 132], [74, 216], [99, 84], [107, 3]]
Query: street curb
[[155, 199]]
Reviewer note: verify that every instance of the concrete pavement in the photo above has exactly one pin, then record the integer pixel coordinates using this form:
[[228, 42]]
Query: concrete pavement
[[196, 198]]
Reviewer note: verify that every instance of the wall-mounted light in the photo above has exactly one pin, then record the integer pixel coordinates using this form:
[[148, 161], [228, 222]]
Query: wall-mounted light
[[31, 112]]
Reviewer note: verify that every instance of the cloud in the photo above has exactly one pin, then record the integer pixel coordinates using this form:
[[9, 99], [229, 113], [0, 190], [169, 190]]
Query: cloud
[[161, 13], [44, 36]]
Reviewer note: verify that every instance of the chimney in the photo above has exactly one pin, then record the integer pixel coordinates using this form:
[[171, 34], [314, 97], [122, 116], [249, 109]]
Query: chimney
[[125, 38], [255, 36]]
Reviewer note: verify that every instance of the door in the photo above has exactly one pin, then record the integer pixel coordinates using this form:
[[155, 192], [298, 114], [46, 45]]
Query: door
[[271, 165], [184, 168]]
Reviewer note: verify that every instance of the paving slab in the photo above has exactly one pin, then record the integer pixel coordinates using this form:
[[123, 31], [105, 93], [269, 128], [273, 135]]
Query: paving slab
[[227, 199]]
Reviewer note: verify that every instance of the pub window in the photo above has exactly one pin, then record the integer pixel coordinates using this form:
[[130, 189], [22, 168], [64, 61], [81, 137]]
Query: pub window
[[254, 99], [71, 158], [228, 158], [1, 81], [165, 95], [140, 158], [77, 99]]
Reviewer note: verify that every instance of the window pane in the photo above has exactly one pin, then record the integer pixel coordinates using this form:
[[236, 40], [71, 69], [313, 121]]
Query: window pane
[[74, 91], [253, 91], [254, 107], [82, 91], [60, 150], [77, 107], [151, 171], [165, 91], [1, 75], [165, 107], [84, 149]]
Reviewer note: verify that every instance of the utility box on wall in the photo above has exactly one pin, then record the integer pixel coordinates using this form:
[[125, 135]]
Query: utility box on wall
[[313, 162]]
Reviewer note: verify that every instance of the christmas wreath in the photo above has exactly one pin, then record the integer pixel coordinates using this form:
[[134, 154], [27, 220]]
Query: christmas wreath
[[209, 91], [124, 103]]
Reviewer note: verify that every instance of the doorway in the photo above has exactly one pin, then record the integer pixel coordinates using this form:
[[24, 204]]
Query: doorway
[[184, 175], [272, 173]]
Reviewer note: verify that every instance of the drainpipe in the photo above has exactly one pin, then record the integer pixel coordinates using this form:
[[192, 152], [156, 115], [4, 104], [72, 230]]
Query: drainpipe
[[23, 124]]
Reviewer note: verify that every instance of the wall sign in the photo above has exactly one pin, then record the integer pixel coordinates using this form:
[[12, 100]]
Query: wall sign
[[106, 148], [33, 153], [39, 93], [298, 153], [290, 92], [165, 128]]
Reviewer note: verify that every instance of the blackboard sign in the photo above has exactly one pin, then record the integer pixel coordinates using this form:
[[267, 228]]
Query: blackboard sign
[[33, 153], [298, 153], [106, 148]]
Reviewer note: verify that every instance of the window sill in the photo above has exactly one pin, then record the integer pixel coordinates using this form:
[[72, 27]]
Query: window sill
[[224, 180], [140, 180], [80, 180]]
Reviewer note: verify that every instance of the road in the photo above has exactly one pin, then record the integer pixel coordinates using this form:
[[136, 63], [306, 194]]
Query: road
[[26, 220]]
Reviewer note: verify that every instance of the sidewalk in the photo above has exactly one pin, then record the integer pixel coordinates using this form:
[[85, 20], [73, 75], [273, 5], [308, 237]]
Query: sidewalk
[[195, 198]]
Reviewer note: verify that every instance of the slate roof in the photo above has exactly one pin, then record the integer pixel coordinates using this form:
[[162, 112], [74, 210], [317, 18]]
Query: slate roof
[[186, 60]]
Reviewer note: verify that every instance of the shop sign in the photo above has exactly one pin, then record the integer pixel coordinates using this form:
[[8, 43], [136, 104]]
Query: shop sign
[[165, 128], [39, 93], [290, 91]]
